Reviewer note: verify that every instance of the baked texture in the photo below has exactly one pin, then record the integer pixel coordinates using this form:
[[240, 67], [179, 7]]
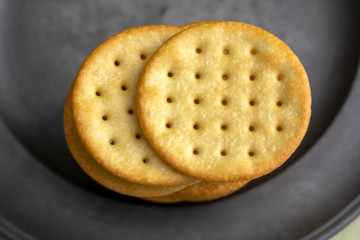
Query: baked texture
[[99, 173], [224, 101], [200, 192], [104, 106]]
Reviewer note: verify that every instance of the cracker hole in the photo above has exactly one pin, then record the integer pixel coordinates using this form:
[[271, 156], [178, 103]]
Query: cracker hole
[[280, 77], [143, 57], [251, 153], [279, 103], [251, 128], [168, 125], [252, 77], [97, 93], [224, 102], [196, 101], [197, 76], [112, 142], [198, 50], [169, 100], [226, 51], [252, 103], [117, 63], [145, 160], [223, 127], [195, 152], [223, 153], [196, 126], [138, 136], [123, 87], [279, 128], [131, 112], [170, 74], [225, 77], [104, 118], [253, 51]]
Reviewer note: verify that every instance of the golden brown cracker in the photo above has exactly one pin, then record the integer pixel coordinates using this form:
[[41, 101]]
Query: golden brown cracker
[[224, 101]]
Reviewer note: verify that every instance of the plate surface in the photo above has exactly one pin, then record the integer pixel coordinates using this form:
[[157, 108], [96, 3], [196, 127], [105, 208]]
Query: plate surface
[[44, 194]]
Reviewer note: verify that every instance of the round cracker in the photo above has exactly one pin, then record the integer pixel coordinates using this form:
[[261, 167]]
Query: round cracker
[[200, 192], [99, 173], [104, 106], [240, 102]]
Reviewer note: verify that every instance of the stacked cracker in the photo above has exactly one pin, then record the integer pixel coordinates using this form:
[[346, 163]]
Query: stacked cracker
[[173, 114]]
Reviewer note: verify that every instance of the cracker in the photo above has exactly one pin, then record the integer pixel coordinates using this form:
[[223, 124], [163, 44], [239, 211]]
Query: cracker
[[200, 192], [104, 106], [99, 173], [236, 98]]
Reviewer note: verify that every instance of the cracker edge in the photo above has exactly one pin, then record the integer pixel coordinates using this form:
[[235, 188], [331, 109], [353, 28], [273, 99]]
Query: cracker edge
[[189, 195]]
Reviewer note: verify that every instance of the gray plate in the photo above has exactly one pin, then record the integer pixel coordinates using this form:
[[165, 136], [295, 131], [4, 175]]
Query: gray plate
[[45, 195]]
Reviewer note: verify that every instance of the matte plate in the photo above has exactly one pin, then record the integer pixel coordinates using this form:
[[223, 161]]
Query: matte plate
[[45, 195]]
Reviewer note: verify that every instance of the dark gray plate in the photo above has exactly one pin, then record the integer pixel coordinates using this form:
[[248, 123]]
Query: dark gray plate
[[45, 195]]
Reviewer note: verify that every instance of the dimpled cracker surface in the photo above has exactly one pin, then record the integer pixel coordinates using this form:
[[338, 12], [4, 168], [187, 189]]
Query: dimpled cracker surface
[[200, 192], [103, 102], [224, 101], [99, 173]]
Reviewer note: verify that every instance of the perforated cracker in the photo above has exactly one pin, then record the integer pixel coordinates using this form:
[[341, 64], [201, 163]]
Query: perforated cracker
[[99, 173], [104, 106], [200, 192], [224, 101]]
